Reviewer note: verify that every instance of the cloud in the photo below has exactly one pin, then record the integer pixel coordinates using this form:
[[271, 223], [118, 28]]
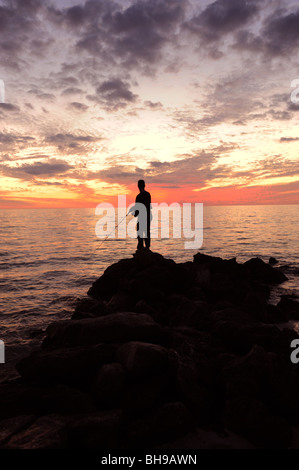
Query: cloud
[[276, 166], [151, 105], [9, 107], [66, 139], [134, 36], [114, 94], [72, 91], [221, 18], [288, 139], [6, 138], [79, 106], [281, 32], [194, 170], [278, 36], [53, 167]]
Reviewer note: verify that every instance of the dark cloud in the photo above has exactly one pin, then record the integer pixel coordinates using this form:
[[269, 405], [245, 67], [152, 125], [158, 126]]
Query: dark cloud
[[21, 30], [79, 106], [247, 41], [281, 32], [279, 35], [288, 139], [152, 105], [72, 91], [135, 35], [11, 143], [72, 144], [293, 107], [222, 17], [48, 183], [41, 94], [67, 138], [53, 167], [276, 166], [194, 170], [280, 115], [114, 94], [9, 107]]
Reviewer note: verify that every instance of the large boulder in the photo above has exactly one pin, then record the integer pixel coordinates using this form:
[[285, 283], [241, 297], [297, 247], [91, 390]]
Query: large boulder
[[289, 306], [170, 421], [47, 432], [143, 359], [17, 399], [96, 431], [64, 400], [12, 426], [76, 365], [252, 419], [264, 378], [89, 308], [114, 328], [109, 384], [258, 270]]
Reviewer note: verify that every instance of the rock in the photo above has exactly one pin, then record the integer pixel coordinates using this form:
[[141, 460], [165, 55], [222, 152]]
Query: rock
[[186, 312], [200, 258], [116, 276], [251, 419], [157, 348], [275, 314], [273, 261], [17, 399], [255, 303], [121, 302], [266, 377], [64, 400], [143, 307], [113, 279], [254, 406], [192, 393], [143, 359], [90, 308], [109, 384], [203, 276], [171, 420], [289, 307], [114, 328], [272, 338], [11, 426], [96, 431], [260, 271], [75, 365], [145, 393], [47, 432], [37, 333]]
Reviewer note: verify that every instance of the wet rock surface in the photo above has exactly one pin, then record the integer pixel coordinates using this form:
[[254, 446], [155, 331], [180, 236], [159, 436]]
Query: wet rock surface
[[157, 352]]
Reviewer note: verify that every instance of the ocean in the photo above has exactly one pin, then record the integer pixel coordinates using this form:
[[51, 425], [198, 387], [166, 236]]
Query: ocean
[[50, 257]]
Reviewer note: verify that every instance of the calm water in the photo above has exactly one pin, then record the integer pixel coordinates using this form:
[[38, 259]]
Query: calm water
[[49, 258]]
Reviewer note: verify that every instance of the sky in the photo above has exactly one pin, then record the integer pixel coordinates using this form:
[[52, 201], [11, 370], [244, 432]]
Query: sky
[[194, 97]]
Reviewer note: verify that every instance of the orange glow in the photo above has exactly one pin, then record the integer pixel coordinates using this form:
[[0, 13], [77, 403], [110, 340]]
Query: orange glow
[[232, 195]]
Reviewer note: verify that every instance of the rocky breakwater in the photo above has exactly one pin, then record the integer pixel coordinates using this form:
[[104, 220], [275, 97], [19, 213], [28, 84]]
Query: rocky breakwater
[[157, 351]]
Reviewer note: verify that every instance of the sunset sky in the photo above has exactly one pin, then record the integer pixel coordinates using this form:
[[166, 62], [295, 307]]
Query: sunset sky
[[192, 96]]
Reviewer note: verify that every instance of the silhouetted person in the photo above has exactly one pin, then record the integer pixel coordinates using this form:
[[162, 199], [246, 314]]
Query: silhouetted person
[[143, 233]]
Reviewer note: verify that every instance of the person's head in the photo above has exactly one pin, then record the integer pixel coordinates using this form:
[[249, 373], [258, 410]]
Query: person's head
[[141, 185]]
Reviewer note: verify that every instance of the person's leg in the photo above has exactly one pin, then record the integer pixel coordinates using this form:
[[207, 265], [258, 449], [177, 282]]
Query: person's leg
[[140, 243], [139, 238], [148, 237]]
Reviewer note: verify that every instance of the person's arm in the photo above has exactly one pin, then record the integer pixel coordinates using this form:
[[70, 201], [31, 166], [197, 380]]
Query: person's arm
[[133, 210]]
